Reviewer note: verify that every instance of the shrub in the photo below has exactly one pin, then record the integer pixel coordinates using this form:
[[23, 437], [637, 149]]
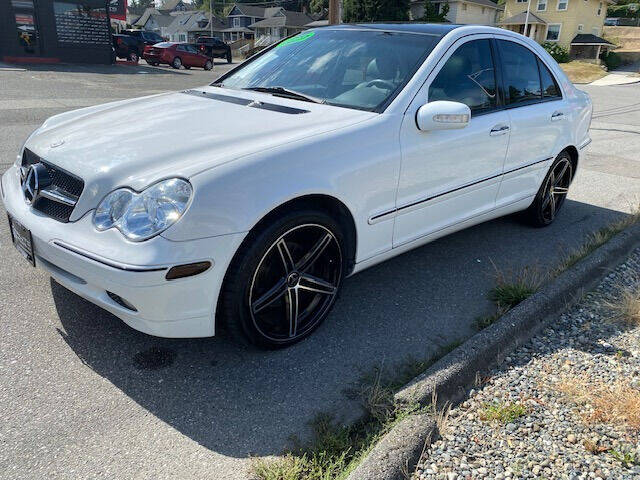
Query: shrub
[[611, 60], [558, 52]]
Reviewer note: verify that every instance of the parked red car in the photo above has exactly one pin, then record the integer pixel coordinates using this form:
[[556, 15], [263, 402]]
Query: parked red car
[[177, 55]]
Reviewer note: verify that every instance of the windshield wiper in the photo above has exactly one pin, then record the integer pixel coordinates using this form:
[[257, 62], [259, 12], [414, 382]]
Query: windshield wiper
[[285, 92]]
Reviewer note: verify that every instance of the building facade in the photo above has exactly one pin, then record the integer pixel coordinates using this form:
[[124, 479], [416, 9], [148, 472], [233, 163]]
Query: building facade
[[75, 31], [461, 12], [570, 23]]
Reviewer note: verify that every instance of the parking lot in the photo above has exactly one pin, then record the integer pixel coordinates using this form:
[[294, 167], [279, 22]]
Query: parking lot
[[84, 399]]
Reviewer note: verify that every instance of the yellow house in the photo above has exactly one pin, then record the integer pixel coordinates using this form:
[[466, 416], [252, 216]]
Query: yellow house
[[574, 24]]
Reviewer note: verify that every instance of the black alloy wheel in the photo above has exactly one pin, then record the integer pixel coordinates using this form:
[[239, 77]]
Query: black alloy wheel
[[284, 283], [553, 192]]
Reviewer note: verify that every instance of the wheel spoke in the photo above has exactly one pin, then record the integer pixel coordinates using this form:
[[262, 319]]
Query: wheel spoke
[[547, 200], [560, 190], [315, 284], [558, 178], [285, 255], [310, 258], [552, 206], [292, 310], [273, 294]]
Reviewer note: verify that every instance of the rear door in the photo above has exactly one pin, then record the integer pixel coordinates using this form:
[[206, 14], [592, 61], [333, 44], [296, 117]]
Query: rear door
[[197, 58], [538, 117]]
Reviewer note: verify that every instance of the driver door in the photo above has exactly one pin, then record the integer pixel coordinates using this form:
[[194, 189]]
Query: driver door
[[450, 176]]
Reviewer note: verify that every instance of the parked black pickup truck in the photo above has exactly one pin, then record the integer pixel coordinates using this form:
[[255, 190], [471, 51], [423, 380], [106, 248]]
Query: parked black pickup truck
[[127, 47], [214, 48]]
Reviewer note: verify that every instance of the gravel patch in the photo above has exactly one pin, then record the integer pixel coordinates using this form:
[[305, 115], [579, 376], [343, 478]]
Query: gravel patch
[[554, 409]]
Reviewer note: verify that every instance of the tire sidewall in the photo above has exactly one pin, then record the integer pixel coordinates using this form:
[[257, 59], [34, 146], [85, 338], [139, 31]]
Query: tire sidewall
[[242, 270]]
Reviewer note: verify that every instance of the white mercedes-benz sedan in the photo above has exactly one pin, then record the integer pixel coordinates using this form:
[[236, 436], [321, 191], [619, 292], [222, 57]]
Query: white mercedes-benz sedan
[[245, 203]]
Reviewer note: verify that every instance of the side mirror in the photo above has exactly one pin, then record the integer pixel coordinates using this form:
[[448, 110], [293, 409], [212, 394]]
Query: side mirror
[[442, 115]]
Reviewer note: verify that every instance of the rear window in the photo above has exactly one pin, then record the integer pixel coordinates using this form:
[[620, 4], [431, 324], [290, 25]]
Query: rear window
[[163, 44]]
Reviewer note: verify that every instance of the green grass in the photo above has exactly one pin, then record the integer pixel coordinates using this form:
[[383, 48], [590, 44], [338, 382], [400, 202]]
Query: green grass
[[509, 295], [337, 449], [503, 412], [626, 456], [597, 239]]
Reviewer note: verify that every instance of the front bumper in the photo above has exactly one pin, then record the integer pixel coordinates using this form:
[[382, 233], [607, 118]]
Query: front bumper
[[92, 263]]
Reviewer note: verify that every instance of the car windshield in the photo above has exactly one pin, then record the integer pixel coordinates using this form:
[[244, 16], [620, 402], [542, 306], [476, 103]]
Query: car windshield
[[362, 69]]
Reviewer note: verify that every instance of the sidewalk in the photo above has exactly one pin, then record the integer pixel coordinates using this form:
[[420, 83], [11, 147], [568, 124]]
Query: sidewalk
[[566, 405], [621, 76], [10, 68]]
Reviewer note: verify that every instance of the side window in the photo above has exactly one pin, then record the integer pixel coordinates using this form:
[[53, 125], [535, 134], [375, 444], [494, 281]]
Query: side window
[[468, 76], [550, 88], [520, 72], [181, 48]]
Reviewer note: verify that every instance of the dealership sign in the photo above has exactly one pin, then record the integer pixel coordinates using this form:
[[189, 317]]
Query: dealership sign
[[118, 9]]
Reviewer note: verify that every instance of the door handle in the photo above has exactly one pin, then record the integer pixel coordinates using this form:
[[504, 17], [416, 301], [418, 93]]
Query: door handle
[[499, 130], [557, 116]]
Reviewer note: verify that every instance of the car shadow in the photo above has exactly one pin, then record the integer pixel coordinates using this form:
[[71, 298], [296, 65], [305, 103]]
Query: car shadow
[[239, 401]]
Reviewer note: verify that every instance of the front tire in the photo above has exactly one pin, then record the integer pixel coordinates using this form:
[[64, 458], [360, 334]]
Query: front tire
[[552, 193], [284, 280]]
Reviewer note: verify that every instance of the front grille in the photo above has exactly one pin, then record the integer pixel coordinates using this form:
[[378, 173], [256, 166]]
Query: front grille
[[62, 181]]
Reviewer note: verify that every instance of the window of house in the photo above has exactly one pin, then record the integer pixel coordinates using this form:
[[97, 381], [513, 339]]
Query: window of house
[[550, 87], [553, 32], [521, 75], [483, 10], [468, 77], [562, 4], [522, 1], [542, 5], [464, 6], [236, 22], [580, 27], [599, 8], [182, 37]]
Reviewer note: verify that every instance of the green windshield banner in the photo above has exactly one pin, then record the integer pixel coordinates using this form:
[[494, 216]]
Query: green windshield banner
[[298, 38]]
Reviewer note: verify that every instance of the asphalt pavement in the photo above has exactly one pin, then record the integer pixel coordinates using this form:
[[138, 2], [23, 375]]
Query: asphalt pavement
[[85, 396]]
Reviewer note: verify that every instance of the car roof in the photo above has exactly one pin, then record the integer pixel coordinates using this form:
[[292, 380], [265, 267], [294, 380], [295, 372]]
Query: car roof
[[440, 29]]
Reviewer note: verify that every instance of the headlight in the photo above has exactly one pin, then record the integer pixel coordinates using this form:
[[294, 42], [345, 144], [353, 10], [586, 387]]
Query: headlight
[[140, 216]]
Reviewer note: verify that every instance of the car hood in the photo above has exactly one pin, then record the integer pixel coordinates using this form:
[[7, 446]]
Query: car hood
[[137, 142]]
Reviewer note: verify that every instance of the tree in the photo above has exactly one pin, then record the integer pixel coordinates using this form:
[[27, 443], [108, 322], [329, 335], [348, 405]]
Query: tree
[[317, 6], [375, 10], [431, 12]]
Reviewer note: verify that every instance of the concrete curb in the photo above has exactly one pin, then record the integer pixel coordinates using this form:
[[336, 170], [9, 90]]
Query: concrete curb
[[451, 376]]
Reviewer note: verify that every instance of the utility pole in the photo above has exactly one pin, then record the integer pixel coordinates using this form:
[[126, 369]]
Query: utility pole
[[334, 12], [526, 20]]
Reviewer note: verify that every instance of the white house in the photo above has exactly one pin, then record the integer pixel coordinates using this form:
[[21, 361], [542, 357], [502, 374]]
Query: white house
[[464, 12]]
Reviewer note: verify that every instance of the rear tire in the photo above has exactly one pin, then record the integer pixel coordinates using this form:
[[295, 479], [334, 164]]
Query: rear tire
[[229, 59], [208, 65], [552, 193], [284, 280], [133, 57], [176, 63]]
